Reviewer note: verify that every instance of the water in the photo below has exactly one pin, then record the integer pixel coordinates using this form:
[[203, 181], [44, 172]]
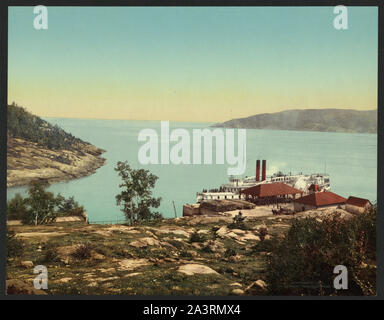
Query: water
[[349, 159]]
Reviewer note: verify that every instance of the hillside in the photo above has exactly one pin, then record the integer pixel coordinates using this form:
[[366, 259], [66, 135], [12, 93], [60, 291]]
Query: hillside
[[326, 120], [37, 149], [200, 255]]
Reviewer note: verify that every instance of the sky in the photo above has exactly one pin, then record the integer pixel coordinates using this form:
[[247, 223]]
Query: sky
[[207, 64]]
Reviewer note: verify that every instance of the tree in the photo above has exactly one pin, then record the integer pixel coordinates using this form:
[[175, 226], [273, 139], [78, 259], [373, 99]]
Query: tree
[[68, 206], [136, 197], [16, 208], [41, 204]]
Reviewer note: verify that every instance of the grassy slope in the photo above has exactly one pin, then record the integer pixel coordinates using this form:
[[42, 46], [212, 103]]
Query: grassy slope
[[160, 276]]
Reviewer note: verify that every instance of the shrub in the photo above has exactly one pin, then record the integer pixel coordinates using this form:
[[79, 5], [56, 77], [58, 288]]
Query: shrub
[[229, 253], [264, 246], [196, 237], [41, 206], [307, 255], [15, 246], [206, 249], [68, 207], [16, 208], [51, 255], [238, 225], [185, 254], [238, 222], [263, 232], [84, 251]]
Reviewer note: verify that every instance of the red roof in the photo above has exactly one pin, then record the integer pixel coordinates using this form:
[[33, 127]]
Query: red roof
[[270, 190], [319, 199], [358, 202], [314, 187]]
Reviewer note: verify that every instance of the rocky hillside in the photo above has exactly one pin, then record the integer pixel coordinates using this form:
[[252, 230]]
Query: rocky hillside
[[329, 120], [201, 255], [38, 150]]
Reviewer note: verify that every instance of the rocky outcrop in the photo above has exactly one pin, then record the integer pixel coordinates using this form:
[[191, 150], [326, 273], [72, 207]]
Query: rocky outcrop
[[27, 161], [16, 286]]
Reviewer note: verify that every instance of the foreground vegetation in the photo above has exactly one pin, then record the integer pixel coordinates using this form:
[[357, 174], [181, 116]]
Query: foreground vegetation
[[200, 256], [303, 261], [41, 206]]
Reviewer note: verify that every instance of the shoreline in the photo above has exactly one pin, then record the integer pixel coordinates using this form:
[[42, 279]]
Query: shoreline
[[28, 161]]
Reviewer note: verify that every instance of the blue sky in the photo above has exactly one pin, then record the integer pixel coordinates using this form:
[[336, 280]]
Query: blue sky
[[191, 63]]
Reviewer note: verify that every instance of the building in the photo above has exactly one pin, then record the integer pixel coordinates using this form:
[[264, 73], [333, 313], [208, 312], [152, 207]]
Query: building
[[270, 193], [357, 205], [314, 188], [318, 200]]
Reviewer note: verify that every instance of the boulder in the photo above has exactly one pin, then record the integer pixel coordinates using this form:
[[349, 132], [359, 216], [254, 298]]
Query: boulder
[[145, 242], [131, 264], [258, 285], [192, 269], [26, 264], [16, 286], [237, 292]]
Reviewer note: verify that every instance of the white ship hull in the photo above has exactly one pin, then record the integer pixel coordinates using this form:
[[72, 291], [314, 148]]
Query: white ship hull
[[232, 189]]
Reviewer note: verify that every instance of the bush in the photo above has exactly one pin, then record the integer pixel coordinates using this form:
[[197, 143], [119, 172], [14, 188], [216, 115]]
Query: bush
[[303, 261], [68, 207], [84, 251], [206, 249], [263, 232], [238, 223], [229, 253], [14, 247], [51, 255], [196, 237], [41, 206], [16, 208], [185, 254]]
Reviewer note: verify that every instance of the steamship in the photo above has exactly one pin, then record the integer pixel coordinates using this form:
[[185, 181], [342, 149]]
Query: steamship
[[232, 189]]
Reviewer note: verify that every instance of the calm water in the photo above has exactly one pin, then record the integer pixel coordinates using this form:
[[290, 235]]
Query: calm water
[[349, 159]]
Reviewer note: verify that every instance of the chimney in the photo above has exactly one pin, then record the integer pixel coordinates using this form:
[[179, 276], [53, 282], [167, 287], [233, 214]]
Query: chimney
[[257, 170], [264, 173]]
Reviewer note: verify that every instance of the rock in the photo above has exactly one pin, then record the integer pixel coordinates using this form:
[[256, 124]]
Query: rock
[[16, 286], [144, 242], [192, 269], [237, 292], [215, 246], [109, 270], [259, 285], [93, 284], [166, 244], [249, 236], [98, 256], [222, 231], [64, 280], [235, 258], [151, 234], [235, 284], [131, 264], [238, 231], [26, 264], [132, 274], [197, 245]]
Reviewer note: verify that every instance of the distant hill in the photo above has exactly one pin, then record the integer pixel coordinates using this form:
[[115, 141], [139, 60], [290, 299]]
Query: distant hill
[[329, 120], [37, 149]]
